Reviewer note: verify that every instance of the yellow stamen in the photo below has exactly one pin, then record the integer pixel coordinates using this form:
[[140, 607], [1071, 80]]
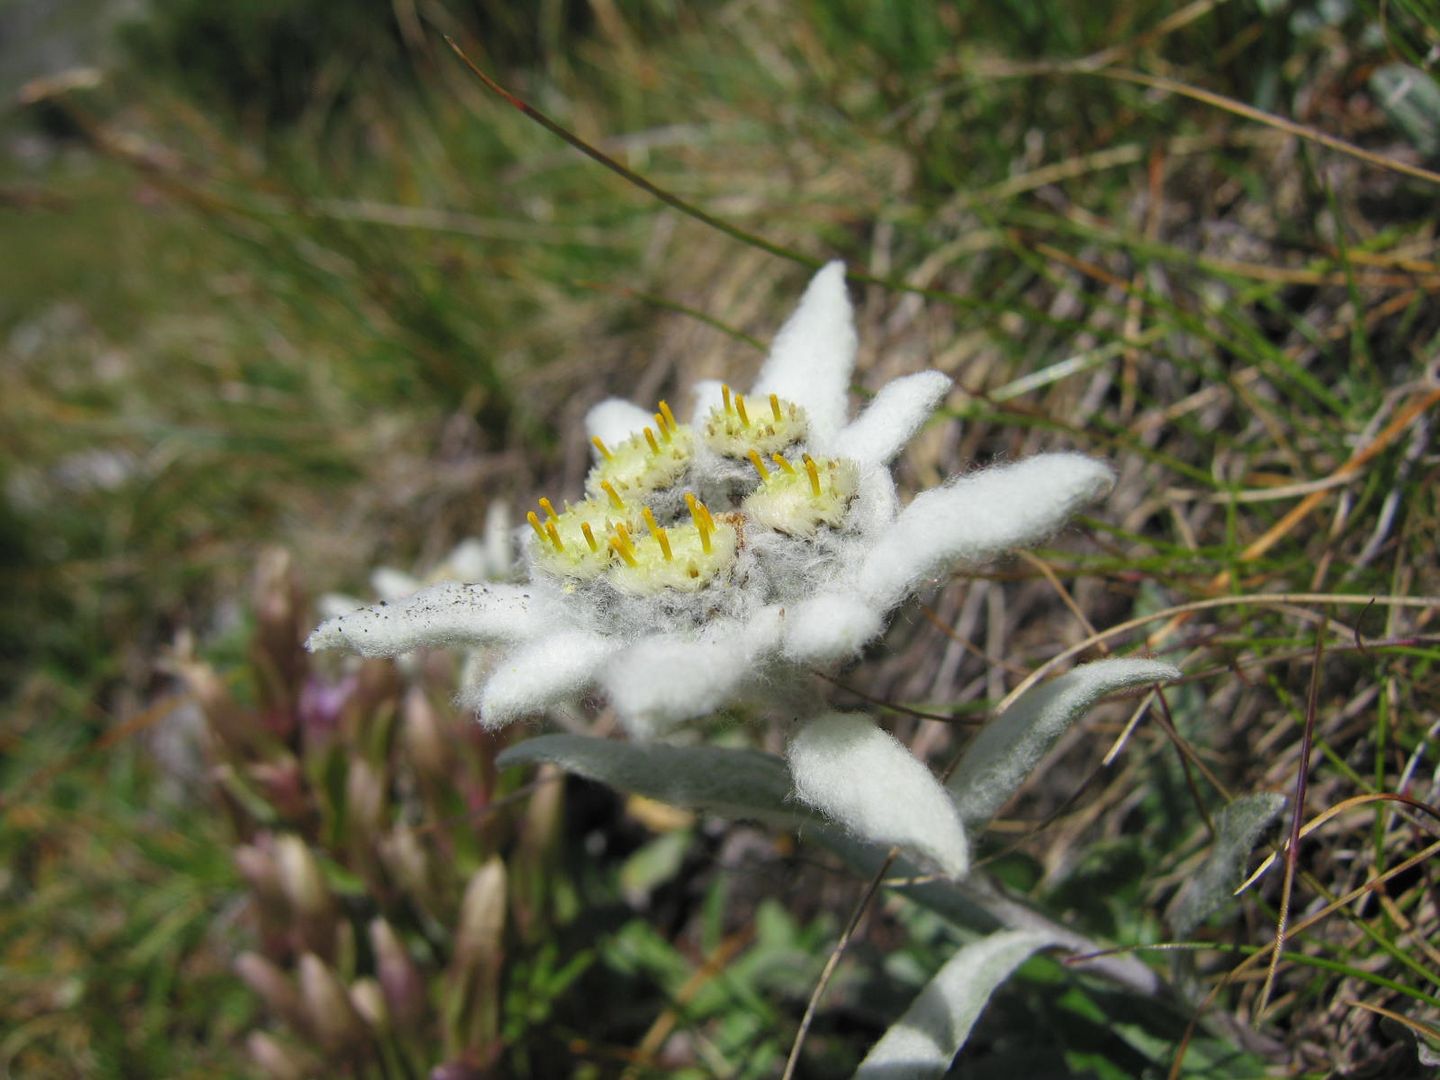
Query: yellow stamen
[[650, 438], [615, 500], [534, 520], [589, 535], [669, 416], [725, 395], [554, 535], [814, 475], [759, 465], [663, 426], [740, 408], [692, 569], [549, 508], [702, 525], [658, 533], [600, 445], [621, 547], [709, 518], [775, 406], [779, 460]]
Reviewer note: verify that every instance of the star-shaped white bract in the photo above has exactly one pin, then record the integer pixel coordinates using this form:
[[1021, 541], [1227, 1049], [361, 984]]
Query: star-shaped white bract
[[728, 558]]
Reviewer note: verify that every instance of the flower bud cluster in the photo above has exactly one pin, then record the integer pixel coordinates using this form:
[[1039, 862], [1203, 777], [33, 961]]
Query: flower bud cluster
[[678, 511], [371, 938]]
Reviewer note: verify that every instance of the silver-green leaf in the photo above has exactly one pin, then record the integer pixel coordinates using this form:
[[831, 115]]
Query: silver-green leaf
[[731, 783], [1002, 755], [1237, 828], [924, 1041]]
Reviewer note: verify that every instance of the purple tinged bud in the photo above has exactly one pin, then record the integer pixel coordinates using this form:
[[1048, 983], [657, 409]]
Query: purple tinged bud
[[425, 743], [369, 1002], [276, 1061], [257, 867], [300, 877], [333, 1018], [400, 979], [273, 987]]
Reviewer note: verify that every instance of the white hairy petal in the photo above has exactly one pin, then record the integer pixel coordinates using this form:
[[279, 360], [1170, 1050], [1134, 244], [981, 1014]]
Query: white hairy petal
[[539, 675], [876, 502], [614, 420], [830, 626], [924, 1041], [468, 562], [814, 353], [707, 396], [332, 605], [1002, 755], [662, 680], [499, 543], [449, 614], [391, 585], [856, 774], [892, 418], [979, 517]]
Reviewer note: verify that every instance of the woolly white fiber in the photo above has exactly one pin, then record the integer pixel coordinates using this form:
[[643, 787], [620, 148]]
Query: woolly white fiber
[[540, 674], [814, 353], [1003, 754], [862, 778], [924, 1041], [979, 517], [891, 420]]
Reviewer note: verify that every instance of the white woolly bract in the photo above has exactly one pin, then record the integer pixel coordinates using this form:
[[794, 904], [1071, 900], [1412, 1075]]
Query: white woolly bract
[[1003, 754], [444, 615], [924, 1042], [979, 517], [664, 679], [614, 420], [891, 420], [830, 626], [862, 778], [814, 353], [543, 673]]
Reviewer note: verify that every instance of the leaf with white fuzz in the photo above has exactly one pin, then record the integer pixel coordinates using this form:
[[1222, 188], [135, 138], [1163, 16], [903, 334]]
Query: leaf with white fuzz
[[1237, 828], [732, 783], [1003, 754], [864, 779], [446, 615], [924, 1041], [614, 420], [538, 675], [814, 353], [979, 517], [894, 416]]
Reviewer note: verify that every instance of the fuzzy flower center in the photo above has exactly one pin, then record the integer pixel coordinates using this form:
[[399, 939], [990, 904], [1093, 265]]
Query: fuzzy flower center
[[655, 458], [735, 428], [681, 557], [797, 501]]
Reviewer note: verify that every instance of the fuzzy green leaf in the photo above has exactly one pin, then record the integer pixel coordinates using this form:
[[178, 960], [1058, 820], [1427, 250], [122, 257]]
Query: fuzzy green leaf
[[924, 1041], [1237, 828], [731, 783], [1002, 755]]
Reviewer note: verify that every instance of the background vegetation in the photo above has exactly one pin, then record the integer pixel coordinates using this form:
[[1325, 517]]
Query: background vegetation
[[285, 275]]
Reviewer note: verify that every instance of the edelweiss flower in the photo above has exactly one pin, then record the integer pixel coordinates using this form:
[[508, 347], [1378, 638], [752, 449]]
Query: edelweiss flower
[[730, 556]]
